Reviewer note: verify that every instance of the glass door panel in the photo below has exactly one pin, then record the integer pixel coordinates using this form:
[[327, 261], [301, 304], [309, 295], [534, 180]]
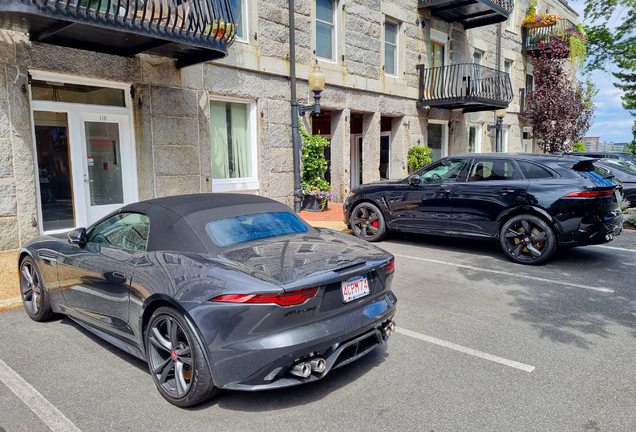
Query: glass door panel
[[384, 156], [54, 170], [103, 158], [435, 140]]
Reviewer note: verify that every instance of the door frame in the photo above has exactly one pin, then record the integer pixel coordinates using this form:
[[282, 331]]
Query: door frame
[[444, 124], [355, 157], [73, 112]]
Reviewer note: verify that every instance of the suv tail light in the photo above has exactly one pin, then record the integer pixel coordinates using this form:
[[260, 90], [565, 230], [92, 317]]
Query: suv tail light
[[590, 194], [282, 299], [390, 267]]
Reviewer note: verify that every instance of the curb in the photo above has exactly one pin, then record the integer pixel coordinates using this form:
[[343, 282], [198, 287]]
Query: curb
[[10, 303]]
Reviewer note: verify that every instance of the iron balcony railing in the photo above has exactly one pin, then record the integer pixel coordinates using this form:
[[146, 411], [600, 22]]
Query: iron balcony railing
[[469, 86], [471, 13], [561, 31], [187, 30]]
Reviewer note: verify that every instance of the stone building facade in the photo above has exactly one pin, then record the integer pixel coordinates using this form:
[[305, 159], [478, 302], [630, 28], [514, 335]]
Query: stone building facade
[[156, 124]]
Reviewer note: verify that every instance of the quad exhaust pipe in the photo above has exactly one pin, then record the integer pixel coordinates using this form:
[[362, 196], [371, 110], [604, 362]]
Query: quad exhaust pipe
[[305, 368], [608, 237]]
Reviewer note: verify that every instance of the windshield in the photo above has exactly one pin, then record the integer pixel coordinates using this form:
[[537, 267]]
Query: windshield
[[630, 156], [241, 229], [624, 166]]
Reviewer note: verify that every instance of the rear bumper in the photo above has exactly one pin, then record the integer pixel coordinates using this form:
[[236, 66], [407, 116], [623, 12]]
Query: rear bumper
[[596, 232], [260, 361]]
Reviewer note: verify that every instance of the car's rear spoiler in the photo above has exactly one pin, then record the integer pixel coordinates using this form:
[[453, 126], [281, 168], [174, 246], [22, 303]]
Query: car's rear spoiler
[[577, 163]]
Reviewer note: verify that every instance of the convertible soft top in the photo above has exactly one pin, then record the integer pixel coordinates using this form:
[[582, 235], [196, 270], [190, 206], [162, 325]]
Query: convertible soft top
[[177, 223]]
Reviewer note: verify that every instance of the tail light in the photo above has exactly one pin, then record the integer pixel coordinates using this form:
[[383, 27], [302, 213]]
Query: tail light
[[590, 194], [390, 267], [282, 299]]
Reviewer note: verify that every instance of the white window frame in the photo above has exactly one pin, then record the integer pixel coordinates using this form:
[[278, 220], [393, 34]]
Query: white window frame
[[510, 23], [481, 58], [444, 123], [477, 137], [76, 152], [244, 184], [334, 44], [442, 39], [244, 24], [512, 68], [396, 55]]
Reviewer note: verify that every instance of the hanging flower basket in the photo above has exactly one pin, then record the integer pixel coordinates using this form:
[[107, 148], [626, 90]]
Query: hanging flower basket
[[541, 20]]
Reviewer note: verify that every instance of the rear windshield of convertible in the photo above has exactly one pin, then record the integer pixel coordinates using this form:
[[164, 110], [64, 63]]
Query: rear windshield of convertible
[[241, 229]]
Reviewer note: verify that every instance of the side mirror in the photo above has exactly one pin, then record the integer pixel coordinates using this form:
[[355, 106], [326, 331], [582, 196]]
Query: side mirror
[[414, 180], [77, 237]]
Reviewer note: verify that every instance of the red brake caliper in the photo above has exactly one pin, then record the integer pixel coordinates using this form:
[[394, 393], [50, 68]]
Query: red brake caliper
[[375, 224]]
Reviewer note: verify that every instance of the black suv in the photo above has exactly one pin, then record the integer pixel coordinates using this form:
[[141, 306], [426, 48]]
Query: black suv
[[530, 203]]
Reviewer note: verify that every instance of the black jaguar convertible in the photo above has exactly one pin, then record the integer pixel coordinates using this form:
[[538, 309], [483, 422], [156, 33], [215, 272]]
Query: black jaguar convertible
[[216, 291]]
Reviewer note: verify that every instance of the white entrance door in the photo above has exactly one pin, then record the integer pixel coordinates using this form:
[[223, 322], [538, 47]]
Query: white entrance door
[[108, 173]]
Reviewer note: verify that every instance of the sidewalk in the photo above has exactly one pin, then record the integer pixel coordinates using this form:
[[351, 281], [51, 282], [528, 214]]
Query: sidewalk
[[332, 218]]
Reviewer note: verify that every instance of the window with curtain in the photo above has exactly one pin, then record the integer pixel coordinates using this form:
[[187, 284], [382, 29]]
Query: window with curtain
[[510, 24], [390, 47], [231, 140], [325, 29]]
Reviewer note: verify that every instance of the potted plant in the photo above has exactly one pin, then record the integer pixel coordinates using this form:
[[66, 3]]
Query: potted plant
[[316, 190], [540, 20]]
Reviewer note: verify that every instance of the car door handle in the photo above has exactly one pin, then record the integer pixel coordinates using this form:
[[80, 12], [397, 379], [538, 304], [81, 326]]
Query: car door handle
[[507, 190], [443, 189], [119, 275]]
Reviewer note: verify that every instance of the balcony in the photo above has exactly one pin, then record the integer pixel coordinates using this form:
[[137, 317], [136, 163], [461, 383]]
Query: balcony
[[471, 13], [560, 31], [189, 31], [470, 87]]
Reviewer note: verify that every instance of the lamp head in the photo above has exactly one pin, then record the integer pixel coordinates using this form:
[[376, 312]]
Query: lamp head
[[501, 113], [316, 78]]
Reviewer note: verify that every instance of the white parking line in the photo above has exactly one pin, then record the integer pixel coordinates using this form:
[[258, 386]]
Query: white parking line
[[50, 415], [615, 248], [516, 275], [465, 350]]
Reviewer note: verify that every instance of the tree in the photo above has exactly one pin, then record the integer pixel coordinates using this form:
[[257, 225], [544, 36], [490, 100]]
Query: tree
[[614, 46], [578, 146], [560, 108]]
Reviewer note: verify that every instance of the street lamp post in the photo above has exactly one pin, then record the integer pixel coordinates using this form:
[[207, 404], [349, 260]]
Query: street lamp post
[[501, 113], [317, 84]]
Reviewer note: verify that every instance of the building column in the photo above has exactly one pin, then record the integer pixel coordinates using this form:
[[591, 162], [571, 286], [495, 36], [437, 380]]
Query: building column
[[371, 147], [340, 154]]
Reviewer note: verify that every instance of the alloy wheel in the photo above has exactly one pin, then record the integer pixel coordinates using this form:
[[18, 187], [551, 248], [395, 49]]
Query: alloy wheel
[[30, 288], [525, 240], [170, 356], [365, 223]]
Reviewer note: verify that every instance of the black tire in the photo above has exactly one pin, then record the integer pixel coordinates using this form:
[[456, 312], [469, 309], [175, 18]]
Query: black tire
[[367, 222], [176, 361], [35, 296], [527, 239]]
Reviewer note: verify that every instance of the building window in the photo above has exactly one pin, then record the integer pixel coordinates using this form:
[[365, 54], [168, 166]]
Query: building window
[[239, 8], [529, 83], [510, 24], [478, 57], [508, 69], [474, 139], [390, 48], [325, 29], [233, 141]]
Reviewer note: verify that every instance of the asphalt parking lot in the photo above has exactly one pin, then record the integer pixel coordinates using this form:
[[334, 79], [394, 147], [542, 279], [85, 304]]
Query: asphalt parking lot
[[482, 345]]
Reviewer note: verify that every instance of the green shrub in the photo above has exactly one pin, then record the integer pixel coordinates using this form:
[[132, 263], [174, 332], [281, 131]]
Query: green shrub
[[314, 166], [578, 146], [418, 156]]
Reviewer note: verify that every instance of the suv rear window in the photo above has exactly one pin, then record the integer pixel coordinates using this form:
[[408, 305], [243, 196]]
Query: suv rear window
[[533, 171], [241, 229]]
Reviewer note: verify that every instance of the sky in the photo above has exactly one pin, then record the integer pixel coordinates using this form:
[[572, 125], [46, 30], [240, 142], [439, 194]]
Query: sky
[[611, 121]]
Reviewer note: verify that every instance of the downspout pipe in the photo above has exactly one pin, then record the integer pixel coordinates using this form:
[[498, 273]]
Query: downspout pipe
[[294, 108]]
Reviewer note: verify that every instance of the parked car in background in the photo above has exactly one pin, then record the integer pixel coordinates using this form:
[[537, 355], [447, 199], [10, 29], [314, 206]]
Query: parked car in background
[[531, 204], [626, 173], [623, 156], [216, 291]]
